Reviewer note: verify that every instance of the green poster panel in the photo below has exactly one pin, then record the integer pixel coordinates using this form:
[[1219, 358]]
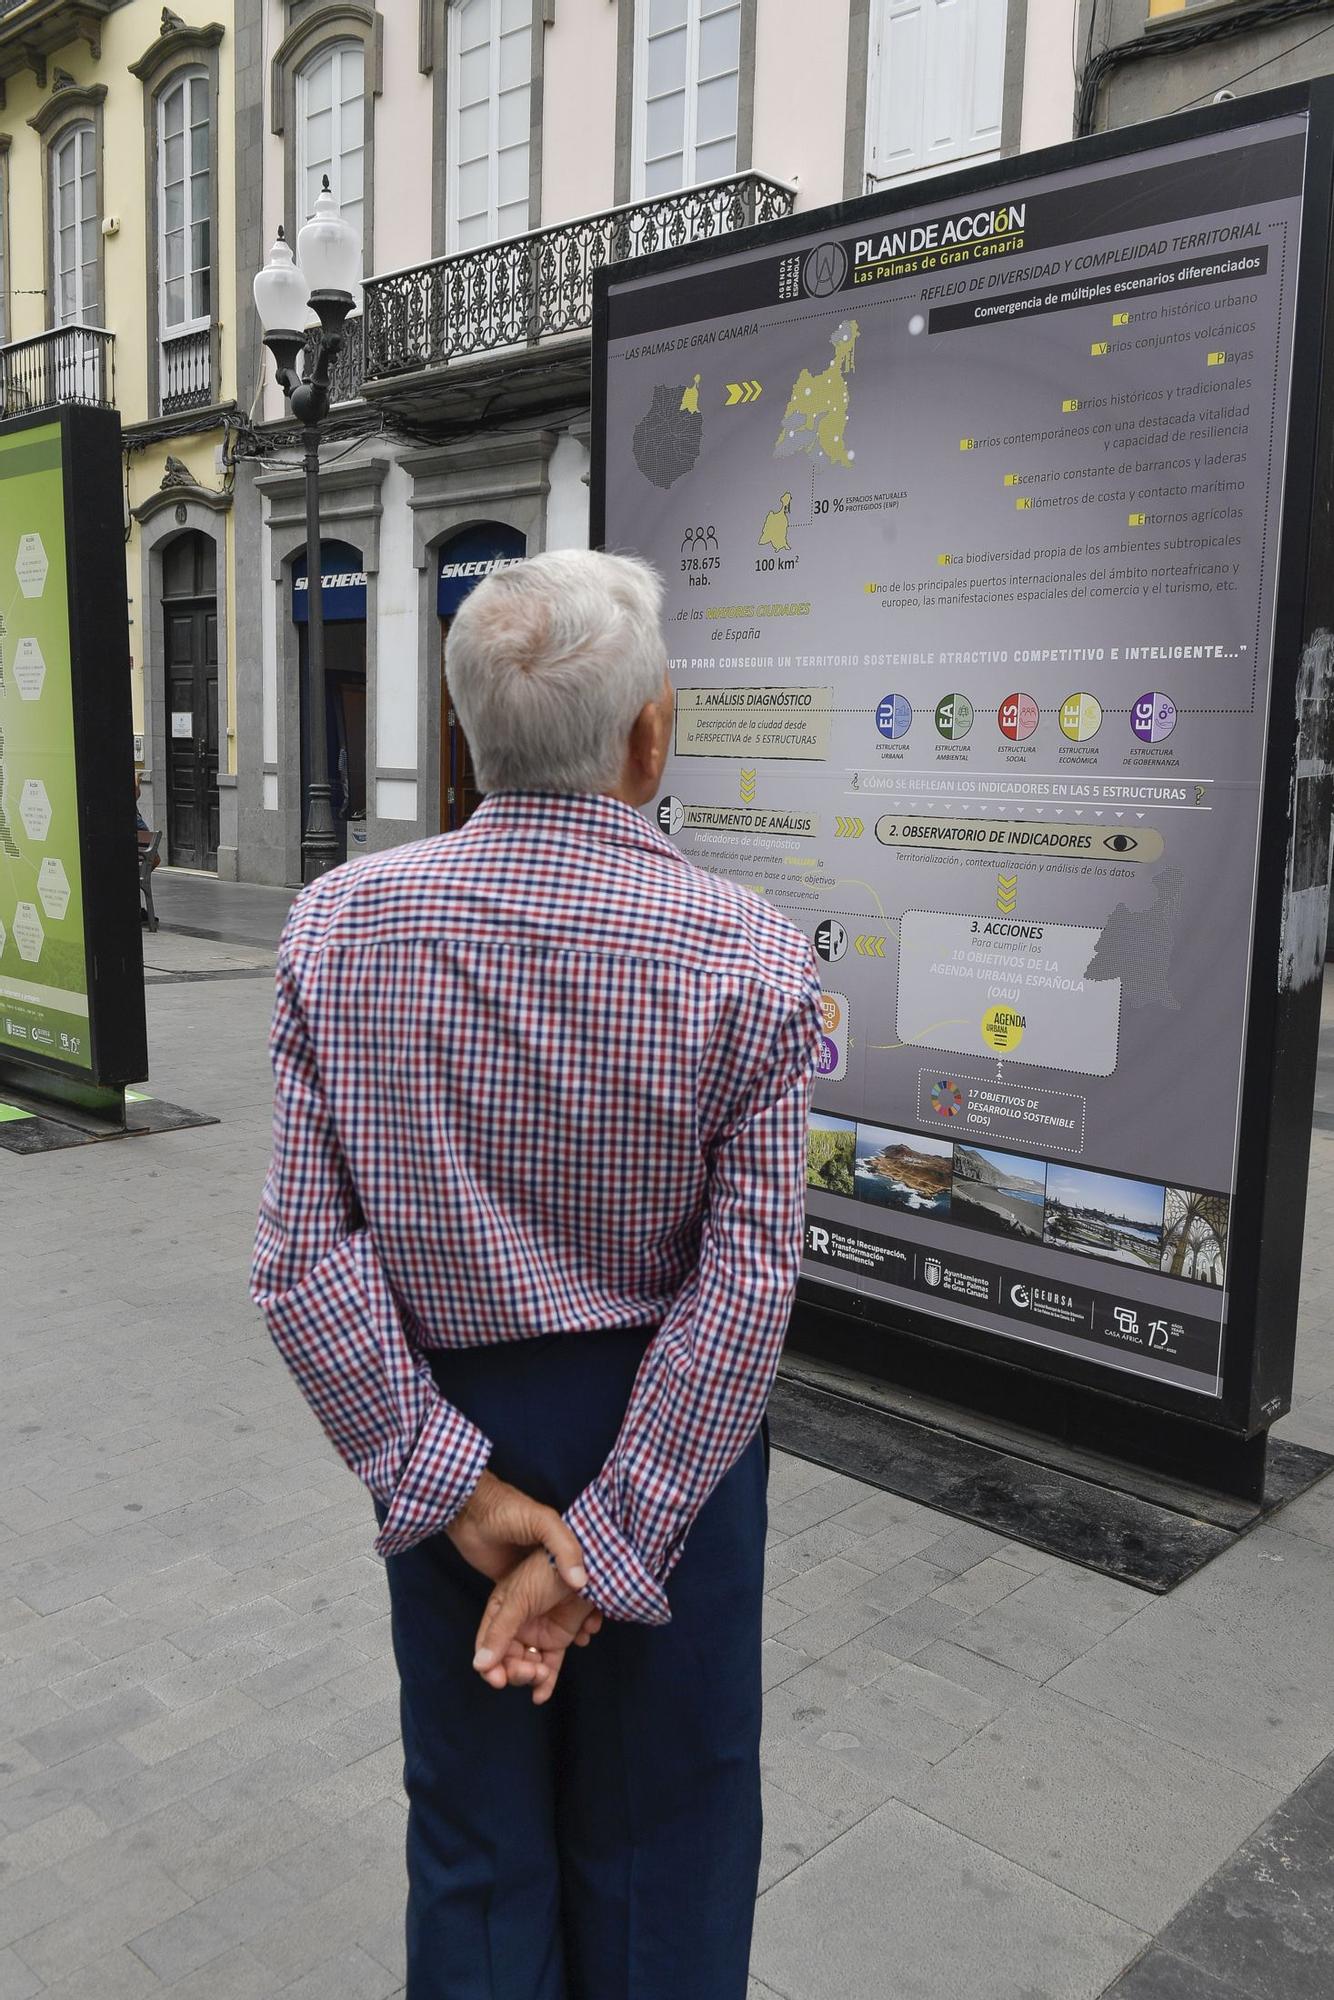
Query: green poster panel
[[43, 962], [71, 978]]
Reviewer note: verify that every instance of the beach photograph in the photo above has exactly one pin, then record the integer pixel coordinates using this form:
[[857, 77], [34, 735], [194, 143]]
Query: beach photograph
[[1003, 1193], [831, 1146], [903, 1170], [1195, 1235], [1104, 1215]]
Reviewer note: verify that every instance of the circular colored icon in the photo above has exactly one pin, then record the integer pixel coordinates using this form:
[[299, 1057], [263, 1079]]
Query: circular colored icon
[[946, 1097], [1153, 717], [954, 716], [1002, 1029], [831, 1012], [893, 716], [1018, 717], [827, 1059], [1081, 717], [831, 940]]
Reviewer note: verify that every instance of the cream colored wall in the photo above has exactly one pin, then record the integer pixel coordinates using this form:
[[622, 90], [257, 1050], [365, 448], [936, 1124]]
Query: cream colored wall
[[403, 147], [579, 111], [801, 90], [1049, 78], [126, 34]]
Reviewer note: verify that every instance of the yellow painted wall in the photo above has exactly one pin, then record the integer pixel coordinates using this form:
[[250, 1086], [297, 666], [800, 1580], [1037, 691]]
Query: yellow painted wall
[[126, 199]]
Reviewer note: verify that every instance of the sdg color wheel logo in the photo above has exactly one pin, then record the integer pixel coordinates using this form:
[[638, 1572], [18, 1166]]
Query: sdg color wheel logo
[[946, 1097], [825, 269], [954, 716], [893, 716], [1081, 717]]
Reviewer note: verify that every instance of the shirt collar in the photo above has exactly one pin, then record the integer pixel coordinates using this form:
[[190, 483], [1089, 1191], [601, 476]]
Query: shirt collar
[[589, 815]]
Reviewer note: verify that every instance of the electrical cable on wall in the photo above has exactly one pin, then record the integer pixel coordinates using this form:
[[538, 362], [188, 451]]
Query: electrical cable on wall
[[1192, 34]]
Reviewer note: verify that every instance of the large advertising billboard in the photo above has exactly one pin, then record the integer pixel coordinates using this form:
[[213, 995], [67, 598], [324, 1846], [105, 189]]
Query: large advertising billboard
[[970, 511], [71, 986]]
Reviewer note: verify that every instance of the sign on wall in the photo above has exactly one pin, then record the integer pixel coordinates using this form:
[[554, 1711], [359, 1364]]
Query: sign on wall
[[71, 984], [472, 554], [344, 585], [971, 514]]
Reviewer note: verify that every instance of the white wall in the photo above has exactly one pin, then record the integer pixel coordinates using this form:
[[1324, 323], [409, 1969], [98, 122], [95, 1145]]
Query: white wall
[[801, 92], [1049, 79], [396, 651], [567, 500], [579, 111]]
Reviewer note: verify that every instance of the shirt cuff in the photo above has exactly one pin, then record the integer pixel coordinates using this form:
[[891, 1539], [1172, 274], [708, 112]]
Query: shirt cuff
[[618, 1583], [447, 1461]]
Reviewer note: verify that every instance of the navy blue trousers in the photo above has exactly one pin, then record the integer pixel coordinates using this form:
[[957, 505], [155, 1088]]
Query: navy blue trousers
[[605, 1846]]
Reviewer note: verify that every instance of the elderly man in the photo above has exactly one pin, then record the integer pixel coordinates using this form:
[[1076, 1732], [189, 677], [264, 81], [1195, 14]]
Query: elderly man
[[528, 1243]]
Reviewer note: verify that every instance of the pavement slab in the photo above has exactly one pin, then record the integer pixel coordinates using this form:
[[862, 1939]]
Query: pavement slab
[[988, 1775]]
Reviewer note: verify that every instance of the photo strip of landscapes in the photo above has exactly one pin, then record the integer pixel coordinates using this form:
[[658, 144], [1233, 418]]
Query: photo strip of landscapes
[[996, 524]]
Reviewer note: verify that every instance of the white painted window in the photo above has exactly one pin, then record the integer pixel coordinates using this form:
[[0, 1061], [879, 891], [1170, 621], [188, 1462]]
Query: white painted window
[[687, 73], [185, 207], [331, 131], [935, 86], [75, 225], [487, 142]]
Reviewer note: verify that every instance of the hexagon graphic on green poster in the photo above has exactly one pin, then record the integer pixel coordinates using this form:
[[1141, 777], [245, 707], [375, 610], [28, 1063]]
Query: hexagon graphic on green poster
[[29, 669], [35, 809], [53, 887], [3, 934], [30, 565], [29, 937]]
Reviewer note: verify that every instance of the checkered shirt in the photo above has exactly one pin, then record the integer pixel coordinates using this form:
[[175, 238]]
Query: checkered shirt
[[540, 1075]]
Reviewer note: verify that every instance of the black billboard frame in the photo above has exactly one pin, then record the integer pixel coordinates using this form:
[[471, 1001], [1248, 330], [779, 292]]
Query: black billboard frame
[[1218, 1444], [103, 743]]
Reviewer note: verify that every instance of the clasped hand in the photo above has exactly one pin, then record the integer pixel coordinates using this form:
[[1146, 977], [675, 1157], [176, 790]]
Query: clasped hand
[[535, 1613]]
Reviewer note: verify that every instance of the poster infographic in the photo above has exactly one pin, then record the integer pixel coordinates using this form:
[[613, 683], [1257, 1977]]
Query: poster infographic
[[969, 523], [43, 960]]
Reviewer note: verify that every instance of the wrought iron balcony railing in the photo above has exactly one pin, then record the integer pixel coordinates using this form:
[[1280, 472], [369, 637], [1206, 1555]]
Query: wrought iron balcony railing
[[71, 364], [345, 377], [186, 374], [528, 288]]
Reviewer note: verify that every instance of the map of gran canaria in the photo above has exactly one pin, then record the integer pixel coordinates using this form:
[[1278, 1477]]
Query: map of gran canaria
[[816, 418]]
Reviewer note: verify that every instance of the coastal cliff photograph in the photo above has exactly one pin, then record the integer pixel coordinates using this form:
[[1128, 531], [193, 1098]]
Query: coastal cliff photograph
[[903, 1170]]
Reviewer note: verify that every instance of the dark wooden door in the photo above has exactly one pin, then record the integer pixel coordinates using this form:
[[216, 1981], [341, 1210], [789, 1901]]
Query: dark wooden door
[[190, 629], [459, 796]]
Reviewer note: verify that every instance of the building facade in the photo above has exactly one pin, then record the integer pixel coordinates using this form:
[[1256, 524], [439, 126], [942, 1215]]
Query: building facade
[[1144, 59], [117, 217], [492, 154]]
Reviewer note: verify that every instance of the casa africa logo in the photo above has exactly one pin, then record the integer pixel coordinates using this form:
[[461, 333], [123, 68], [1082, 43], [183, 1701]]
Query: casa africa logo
[[825, 269], [946, 1098]]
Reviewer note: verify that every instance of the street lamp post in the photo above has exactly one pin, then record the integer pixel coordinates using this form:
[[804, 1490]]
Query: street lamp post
[[319, 280]]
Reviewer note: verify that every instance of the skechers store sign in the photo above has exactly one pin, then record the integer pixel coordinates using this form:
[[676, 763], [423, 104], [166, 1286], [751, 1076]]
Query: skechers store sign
[[476, 553], [344, 582]]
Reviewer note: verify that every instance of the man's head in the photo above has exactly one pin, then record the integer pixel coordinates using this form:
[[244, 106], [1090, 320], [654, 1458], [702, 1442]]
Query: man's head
[[558, 671]]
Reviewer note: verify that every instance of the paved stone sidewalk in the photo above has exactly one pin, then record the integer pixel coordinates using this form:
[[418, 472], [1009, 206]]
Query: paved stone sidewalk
[[988, 1775]]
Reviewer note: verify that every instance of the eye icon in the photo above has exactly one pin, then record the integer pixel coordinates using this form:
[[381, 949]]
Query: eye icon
[[1122, 843]]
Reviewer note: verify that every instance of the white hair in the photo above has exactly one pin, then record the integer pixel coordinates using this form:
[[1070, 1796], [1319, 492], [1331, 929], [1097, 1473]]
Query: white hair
[[548, 664]]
